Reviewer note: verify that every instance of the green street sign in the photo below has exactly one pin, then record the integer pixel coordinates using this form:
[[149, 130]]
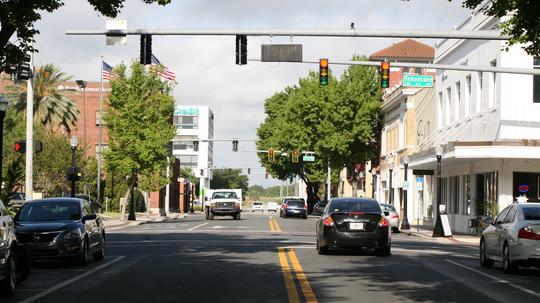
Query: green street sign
[[308, 158], [412, 80]]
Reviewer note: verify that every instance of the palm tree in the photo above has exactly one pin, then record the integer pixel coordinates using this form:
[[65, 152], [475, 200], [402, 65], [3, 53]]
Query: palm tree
[[51, 108]]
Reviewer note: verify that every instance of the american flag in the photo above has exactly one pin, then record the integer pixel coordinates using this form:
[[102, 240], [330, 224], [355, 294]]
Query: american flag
[[166, 73], [106, 73]]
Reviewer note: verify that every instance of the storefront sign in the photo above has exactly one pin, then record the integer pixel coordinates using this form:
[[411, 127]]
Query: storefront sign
[[186, 111], [523, 188]]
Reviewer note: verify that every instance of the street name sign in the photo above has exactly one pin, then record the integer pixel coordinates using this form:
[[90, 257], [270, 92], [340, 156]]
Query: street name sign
[[413, 80], [281, 53], [308, 158]]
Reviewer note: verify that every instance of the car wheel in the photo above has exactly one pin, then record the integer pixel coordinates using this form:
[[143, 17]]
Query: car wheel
[[100, 254], [484, 260], [24, 264], [509, 266], [238, 216], [384, 251], [210, 215], [304, 217], [321, 250], [8, 284], [83, 256]]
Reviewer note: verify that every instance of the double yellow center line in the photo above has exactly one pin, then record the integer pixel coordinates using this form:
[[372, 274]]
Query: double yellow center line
[[273, 225], [288, 275]]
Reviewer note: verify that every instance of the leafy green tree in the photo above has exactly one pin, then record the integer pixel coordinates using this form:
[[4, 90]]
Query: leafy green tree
[[138, 117], [229, 178], [339, 122], [51, 107], [19, 16], [12, 162]]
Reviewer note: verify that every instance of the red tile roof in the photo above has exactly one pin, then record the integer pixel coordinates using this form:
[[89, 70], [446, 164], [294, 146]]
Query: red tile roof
[[408, 50]]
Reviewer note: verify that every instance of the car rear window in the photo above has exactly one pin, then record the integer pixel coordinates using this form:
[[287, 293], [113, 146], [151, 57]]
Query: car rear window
[[257, 203], [224, 195], [388, 208], [531, 213], [295, 203], [49, 211], [354, 206]]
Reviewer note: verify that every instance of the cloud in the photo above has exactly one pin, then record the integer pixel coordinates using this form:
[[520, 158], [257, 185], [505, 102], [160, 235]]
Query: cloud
[[205, 66]]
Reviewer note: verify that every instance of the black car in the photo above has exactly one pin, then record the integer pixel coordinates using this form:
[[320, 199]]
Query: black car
[[96, 206], [353, 223], [61, 228], [15, 264], [318, 208], [293, 207]]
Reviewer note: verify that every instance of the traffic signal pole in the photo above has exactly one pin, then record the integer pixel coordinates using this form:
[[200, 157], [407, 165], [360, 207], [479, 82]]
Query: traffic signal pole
[[29, 180]]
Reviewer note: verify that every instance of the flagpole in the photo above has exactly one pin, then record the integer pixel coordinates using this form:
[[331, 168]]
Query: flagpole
[[100, 139]]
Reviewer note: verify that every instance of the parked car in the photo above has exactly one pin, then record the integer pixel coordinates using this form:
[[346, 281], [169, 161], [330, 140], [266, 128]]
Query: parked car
[[272, 206], [353, 223], [257, 206], [513, 238], [293, 207], [392, 215], [61, 228], [318, 208], [96, 206], [17, 200], [15, 265]]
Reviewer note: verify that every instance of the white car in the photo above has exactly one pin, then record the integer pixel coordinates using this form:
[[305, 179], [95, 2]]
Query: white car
[[272, 206], [257, 206]]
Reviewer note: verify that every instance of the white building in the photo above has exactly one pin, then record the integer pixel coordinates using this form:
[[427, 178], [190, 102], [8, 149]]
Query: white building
[[194, 123], [488, 125]]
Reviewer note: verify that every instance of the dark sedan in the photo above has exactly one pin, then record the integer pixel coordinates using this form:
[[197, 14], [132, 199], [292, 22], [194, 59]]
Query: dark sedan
[[353, 223], [318, 208], [61, 228], [293, 207]]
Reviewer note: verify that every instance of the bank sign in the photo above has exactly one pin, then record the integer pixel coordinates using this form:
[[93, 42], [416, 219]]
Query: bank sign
[[413, 80], [186, 111]]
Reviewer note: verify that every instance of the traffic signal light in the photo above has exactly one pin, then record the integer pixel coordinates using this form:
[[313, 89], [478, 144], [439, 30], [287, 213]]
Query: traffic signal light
[[241, 49], [20, 146], [323, 72], [295, 156], [24, 69], [235, 145], [195, 145], [271, 155], [146, 49], [385, 74]]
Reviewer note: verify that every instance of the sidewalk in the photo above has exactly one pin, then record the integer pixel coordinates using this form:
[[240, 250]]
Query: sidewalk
[[112, 223], [423, 232]]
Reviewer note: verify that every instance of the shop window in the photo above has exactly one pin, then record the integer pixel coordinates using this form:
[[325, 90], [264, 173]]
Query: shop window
[[526, 186], [486, 203], [536, 82], [466, 210]]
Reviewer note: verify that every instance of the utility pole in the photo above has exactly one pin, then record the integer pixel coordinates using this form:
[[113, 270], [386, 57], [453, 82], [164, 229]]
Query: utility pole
[[29, 180], [328, 183]]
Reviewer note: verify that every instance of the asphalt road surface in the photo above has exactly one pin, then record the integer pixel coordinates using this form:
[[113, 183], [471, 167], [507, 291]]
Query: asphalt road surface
[[264, 258]]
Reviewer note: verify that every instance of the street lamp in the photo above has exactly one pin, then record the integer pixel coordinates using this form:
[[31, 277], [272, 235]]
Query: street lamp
[[405, 222], [82, 85], [373, 181], [3, 107], [438, 231], [73, 142], [390, 162]]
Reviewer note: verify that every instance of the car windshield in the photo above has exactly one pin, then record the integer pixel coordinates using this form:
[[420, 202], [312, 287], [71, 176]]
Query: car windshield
[[295, 203], [531, 213], [224, 195], [50, 211], [355, 206]]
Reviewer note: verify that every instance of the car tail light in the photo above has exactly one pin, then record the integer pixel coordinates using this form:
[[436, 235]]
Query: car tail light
[[394, 216], [328, 221], [383, 222], [528, 233], [284, 205]]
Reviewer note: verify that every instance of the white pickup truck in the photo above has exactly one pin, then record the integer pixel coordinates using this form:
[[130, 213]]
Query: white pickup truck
[[223, 202]]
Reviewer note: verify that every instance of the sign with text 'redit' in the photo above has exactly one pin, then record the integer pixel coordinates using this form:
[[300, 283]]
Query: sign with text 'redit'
[[413, 80], [186, 111]]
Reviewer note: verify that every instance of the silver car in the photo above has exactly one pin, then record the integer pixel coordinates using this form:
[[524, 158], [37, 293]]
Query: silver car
[[513, 238], [391, 215]]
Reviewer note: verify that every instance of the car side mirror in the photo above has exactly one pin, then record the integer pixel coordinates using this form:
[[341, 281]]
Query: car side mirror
[[89, 217]]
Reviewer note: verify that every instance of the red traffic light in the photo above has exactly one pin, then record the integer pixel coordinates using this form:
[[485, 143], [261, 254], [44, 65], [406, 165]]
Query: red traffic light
[[20, 146]]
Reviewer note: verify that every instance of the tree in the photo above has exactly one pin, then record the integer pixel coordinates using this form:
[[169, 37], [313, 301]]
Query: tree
[[339, 122], [229, 178], [522, 24], [51, 107], [138, 117], [18, 17]]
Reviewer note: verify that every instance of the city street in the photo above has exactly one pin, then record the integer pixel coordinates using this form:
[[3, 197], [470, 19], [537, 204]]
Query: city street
[[264, 258]]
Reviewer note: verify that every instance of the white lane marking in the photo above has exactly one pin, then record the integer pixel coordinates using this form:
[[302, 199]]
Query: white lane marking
[[67, 282], [496, 279], [193, 228], [298, 246]]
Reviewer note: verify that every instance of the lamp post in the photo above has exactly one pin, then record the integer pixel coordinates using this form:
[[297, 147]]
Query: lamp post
[[405, 223], [73, 142], [373, 181], [3, 107], [82, 85], [390, 189], [438, 230]]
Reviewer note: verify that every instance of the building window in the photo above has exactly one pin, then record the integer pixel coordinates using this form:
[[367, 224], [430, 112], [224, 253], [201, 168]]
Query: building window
[[448, 107], [186, 122], [492, 85], [536, 82], [458, 101], [466, 195], [188, 161], [486, 203], [467, 96], [479, 92], [184, 142], [439, 111], [98, 116]]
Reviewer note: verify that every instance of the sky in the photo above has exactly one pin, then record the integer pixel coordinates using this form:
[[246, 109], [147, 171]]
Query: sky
[[205, 66]]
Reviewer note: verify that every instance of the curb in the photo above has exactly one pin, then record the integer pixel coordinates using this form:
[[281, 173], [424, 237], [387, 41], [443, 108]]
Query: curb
[[451, 239]]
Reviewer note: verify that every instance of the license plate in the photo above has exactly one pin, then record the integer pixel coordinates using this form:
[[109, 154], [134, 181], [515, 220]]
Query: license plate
[[295, 211], [356, 226]]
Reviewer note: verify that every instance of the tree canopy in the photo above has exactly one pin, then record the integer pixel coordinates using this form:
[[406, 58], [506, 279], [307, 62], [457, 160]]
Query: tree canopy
[[229, 178], [19, 16], [339, 122]]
